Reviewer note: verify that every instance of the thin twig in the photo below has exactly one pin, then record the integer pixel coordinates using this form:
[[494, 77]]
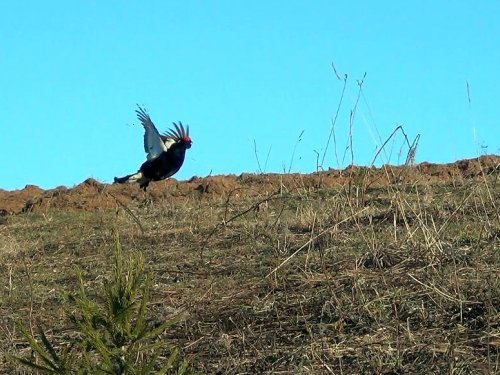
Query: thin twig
[[440, 292], [226, 210], [256, 155], [468, 91], [410, 156], [351, 121], [312, 239], [411, 146], [334, 121], [267, 157], [294, 148], [127, 210], [224, 222]]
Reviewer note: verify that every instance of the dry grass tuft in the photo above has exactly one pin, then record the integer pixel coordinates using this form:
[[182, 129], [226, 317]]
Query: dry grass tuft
[[359, 277]]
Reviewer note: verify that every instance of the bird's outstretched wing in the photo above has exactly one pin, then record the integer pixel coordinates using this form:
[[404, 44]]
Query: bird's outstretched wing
[[153, 143]]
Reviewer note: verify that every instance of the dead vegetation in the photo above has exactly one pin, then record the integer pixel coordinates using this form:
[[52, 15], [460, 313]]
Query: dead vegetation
[[388, 271]]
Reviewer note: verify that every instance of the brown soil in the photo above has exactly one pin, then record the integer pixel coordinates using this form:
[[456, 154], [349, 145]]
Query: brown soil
[[92, 195], [391, 270]]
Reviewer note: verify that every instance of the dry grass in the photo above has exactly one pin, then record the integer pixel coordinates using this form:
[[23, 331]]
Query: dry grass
[[358, 279]]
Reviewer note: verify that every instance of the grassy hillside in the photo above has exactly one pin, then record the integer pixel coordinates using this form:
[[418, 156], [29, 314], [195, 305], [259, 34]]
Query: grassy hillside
[[387, 271]]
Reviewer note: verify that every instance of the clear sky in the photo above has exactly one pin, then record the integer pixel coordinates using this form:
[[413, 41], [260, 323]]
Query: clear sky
[[242, 74]]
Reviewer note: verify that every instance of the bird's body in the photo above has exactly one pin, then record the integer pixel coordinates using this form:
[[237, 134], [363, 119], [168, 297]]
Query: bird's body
[[165, 153]]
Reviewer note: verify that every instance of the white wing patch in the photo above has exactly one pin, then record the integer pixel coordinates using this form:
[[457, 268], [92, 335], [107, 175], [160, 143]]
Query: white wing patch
[[169, 142]]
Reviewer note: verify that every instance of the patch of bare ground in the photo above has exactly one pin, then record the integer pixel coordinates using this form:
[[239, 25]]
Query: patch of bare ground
[[391, 270]]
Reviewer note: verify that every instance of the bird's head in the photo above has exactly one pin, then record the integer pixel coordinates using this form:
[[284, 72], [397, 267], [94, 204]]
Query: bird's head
[[186, 140]]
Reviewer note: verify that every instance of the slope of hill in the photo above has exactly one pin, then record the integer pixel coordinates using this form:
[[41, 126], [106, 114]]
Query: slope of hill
[[367, 270]]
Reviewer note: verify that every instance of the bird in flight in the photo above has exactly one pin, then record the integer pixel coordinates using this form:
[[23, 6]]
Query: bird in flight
[[165, 152]]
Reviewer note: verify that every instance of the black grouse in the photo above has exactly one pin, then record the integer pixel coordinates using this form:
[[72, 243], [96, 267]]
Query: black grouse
[[165, 152]]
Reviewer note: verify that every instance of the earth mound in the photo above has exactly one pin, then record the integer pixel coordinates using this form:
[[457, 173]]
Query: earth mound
[[92, 195]]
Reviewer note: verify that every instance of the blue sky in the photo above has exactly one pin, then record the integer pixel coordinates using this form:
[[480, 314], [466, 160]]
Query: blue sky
[[242, 73]]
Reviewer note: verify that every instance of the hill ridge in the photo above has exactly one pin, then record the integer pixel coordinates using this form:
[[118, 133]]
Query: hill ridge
[[91, 195]]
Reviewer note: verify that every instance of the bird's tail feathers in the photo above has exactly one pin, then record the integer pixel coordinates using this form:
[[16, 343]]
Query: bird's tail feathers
[[135, 177], [121, 180], [131, 177]]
